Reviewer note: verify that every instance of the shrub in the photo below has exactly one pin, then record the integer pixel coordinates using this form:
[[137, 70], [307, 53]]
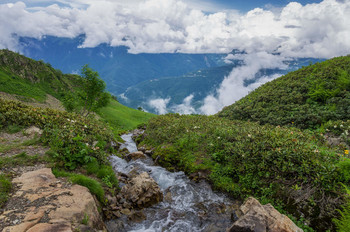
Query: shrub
[[284, 165], [343, 224], [70, 136], [5, 189], [305, 98]]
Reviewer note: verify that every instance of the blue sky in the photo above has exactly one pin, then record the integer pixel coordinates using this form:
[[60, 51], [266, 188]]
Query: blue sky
[[294, 29], [247, 5], [214, 5]]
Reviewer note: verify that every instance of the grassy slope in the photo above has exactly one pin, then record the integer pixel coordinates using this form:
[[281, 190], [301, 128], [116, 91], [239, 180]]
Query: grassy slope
[[32, 79], [123, 118], [288, 167], [18, 86], [306, 98]]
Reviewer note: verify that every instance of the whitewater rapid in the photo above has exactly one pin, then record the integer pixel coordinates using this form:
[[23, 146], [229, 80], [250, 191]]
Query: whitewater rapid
[[187, 206]]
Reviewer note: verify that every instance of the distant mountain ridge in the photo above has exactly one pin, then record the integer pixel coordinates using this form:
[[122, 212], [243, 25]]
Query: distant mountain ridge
[[116, 66], [138, 78], [199, 84]]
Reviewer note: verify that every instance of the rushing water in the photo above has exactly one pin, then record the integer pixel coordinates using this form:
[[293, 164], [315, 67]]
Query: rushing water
[[187, 206]]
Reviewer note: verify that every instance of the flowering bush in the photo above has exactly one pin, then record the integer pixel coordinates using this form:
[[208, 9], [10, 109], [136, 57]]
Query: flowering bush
[[341, 129], [291, 168], [74, 139]]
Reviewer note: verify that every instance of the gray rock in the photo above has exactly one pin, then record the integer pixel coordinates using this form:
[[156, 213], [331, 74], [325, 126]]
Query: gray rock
[[262, 218]]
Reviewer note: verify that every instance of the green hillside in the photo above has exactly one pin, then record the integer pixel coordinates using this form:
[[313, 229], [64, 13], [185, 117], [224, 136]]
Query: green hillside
[[294, 170], [123, 118], [31, 81], [306, 98]]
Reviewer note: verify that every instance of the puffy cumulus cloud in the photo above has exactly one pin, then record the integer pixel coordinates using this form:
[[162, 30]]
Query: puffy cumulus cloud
[[16, 21], [186, 106], [159, 105], [162, 106], [153, 26], [233, 87]]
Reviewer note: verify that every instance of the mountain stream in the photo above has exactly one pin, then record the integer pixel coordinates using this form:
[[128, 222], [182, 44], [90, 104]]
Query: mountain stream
[[187, 205]]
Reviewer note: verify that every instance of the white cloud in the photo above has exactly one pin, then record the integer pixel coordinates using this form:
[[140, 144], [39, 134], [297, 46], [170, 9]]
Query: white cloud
[[153, 26], [233, 87], [159, 105], [186, 106]]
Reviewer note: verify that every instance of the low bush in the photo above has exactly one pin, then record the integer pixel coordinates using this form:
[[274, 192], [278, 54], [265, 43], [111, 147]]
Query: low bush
[[305, 98], [74, 139], [5, 189], [343, 223], [290, 168]]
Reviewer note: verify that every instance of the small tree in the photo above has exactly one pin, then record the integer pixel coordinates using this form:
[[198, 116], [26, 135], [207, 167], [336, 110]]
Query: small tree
[[93, 95]]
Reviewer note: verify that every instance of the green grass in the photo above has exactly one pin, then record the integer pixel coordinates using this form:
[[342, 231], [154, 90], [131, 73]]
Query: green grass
[[343, 223], [291, 168], [123, 118], [32, 79], [93, 185], [5, 189], [19, 160], [12, 129], [5, 147], [306, 98], [15, 85]]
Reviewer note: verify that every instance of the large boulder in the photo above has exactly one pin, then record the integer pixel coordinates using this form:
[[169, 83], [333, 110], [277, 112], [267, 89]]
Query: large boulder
[[44, 203], [262, 218], [142, 191]]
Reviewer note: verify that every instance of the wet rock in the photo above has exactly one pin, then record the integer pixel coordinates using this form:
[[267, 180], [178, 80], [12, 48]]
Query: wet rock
[[135, 155], [142, 149], [113, 145], [200, 175], [168, 197], [137, 133], [149, 152], [212, 228], [126, 212], [137, 217], [262, 218], [142, 191], [115, 225], [112, 200]]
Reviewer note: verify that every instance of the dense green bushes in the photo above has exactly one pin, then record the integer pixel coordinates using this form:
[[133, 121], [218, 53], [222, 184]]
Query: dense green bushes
[[75, 140], [305, 98], [291, 168]]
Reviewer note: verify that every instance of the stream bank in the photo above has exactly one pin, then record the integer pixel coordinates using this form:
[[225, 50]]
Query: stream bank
[[187, 206]]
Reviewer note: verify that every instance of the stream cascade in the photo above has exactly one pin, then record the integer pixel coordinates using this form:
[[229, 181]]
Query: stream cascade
[[187, 205]]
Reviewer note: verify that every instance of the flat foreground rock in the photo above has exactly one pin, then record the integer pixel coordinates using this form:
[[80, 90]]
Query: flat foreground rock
[[44, 203]]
